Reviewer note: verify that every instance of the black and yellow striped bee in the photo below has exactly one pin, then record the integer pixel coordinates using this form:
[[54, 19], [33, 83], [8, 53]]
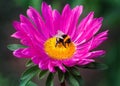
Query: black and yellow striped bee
[[62, 38]]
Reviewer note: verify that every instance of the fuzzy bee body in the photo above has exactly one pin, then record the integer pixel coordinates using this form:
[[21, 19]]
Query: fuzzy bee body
[[62, 38]]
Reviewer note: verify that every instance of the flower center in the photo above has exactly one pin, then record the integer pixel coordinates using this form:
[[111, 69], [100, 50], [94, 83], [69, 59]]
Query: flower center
[[59, 51]]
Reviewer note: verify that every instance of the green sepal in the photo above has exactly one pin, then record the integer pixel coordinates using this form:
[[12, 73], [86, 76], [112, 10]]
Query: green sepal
[[13, 47], [71, 79], [74, 70], [42, 73], [28, 75], [29, 63], [50, 78], [95, 65], [61, 76]]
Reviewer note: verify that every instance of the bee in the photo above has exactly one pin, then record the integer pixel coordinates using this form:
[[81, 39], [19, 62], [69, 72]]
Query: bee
[[62, 38]]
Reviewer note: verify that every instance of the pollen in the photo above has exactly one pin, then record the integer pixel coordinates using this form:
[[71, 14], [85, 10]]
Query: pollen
[[59, 52]]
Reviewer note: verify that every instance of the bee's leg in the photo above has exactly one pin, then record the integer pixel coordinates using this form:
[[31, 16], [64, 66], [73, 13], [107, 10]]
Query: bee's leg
[[56, 43], [68, 44], [64, 44], [68, 41]]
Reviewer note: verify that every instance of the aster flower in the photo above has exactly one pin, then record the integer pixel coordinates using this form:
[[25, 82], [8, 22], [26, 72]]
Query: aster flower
[[38, 33], [58, 40]]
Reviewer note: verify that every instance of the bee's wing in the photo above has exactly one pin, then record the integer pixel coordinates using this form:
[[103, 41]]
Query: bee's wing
[[59, 34]]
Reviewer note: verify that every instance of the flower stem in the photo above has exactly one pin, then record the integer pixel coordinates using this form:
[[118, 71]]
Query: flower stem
[[62, 84]]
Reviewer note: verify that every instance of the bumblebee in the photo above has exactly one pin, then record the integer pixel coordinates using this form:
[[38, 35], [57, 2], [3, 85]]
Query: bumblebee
[[62, 38]]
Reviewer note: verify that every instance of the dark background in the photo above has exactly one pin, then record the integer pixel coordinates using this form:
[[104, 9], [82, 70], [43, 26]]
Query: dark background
[[11, 68]]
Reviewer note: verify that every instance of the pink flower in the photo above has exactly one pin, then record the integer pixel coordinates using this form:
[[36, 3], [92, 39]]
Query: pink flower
[[59, 40]]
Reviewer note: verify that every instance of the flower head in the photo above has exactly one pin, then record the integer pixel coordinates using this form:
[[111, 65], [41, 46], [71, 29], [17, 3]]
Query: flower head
[[59, 40]]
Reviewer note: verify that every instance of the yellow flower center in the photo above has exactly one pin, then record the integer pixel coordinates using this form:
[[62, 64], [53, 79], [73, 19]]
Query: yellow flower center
[[58, 52]]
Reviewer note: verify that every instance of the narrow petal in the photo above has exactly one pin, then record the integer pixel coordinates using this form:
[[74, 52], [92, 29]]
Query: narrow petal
[[56, 21], [83, 25], [69, 62], [17, 26], [19, 53], [91, 29], [43, 64], [51, 67], [31, 28], [62, 68], [18, 35], [96, 41], [32, 35], [38, 21], [47, 14], [35, 59], [85, 61], [85, 47], [65, 19], [66, 9], [69, 19], [26, 41], [95, 54], [76, 12], [27, 52]]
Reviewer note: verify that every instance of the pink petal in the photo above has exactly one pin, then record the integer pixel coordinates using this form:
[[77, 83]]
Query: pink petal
[[16, 25], [95, 54], [85, 61], [26, 41], [76, 12], [101, 37], [43, 64], [56, 21], [31, 28], [91, 30], [19, 53], [51, 67], [38, 21], [32, 34], [47, 14], [18, 35], [62, 68], [65, 19], [36, 59], [83, 25], [27, 52], [69, 62], [96, 41]]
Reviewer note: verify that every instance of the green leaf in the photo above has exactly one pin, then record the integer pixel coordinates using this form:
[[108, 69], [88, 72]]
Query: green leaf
[[28, 75], [31, 84], [74, 71], [29, 63], [13, 47], [71, 79], [80, 80], [42, 74], [61, 76], [49, 81], [95, 65]]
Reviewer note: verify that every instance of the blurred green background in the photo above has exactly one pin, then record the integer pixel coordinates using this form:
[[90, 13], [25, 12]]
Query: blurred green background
[[11, 67]]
